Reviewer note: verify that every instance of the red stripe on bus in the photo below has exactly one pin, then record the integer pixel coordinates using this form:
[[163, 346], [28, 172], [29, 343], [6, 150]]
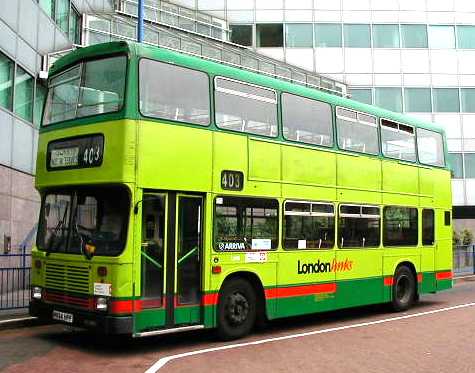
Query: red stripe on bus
[[419, 277], [296, 291], [125, 306], [388, 281], [209, 299], [444, 275]]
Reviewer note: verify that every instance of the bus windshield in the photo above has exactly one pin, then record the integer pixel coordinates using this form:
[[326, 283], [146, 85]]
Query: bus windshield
[[85, 89], [84, 221]]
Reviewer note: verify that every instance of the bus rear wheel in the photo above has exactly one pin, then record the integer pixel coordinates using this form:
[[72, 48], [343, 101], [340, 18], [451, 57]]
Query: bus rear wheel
[[236, 309], [404, 289]]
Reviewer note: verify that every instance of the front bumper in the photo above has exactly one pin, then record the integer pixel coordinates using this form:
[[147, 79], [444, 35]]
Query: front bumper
[[104, 324]]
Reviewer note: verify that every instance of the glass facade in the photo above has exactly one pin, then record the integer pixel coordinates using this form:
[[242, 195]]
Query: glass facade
[[389, 98], [66, 17], [441, 37], [299, 35], [417, 100], [24, 84], [414, 36], [466, 37], [468, 100], [446, 100], [328, 35], [269, 35], [6, 82], [357, 36], [241, 34], [364, 95], [385, 36]]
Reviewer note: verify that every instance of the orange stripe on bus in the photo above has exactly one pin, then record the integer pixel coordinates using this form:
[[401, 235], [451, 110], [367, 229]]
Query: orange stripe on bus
[[125, 306], [388, 281], [419, 277], [296, 291], [444, 275]]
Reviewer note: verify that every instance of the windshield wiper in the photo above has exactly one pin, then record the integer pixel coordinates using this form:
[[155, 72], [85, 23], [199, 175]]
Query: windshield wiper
[[54, 236]]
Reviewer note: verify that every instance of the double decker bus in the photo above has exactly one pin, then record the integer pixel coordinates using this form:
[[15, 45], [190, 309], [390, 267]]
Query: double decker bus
[[180, 193]]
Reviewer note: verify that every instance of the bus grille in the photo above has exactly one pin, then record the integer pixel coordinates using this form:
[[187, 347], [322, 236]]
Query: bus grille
[[67, 277], [69, 300]]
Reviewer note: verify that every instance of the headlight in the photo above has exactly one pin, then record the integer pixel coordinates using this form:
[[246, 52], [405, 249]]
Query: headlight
[[101, 304], [36, 292]]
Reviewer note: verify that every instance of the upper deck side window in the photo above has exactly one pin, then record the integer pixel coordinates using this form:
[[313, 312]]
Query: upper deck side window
[[174, 92], [306, 120], [357, 131], [398, 140], [430, 147], [245, 107]]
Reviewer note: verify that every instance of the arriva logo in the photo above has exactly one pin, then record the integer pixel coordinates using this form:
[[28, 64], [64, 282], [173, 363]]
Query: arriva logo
[[322, 267]]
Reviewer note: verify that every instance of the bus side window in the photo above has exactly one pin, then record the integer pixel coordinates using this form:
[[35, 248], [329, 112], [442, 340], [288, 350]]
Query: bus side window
[[428, 227], [308, 225], [359, 226]]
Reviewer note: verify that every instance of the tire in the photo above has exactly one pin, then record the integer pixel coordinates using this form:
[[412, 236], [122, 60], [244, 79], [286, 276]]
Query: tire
[[236, 309], [404, 289]]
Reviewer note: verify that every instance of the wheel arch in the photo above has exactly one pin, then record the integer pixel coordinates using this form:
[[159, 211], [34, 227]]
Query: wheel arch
[[412, 267], [256, 283]]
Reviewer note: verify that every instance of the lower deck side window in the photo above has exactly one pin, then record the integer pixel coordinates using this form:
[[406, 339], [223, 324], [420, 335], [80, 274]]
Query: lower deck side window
[[358, 226], [242, 224], [400, 226], [308, 225]]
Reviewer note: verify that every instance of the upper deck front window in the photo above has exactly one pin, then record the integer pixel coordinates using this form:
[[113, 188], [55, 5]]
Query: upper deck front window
[[88, 88]]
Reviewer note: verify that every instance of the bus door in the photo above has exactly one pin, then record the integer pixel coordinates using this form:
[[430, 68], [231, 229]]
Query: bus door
[[170, 261]]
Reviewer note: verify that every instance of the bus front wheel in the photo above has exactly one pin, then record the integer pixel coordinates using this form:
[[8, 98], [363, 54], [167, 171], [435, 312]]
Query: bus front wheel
[[236, 309], [404, 289]]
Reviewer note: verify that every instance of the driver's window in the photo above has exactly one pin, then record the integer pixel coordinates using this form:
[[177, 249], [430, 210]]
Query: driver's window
[[153, 247]]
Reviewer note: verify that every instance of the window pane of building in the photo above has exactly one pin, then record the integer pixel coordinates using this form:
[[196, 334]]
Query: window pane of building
[[441, 37], [269, 35], [466, 37], [62, 14], [446, 100], [306, 120], [362, 95], [428, 227], [162, 94], [242, 224], [468, 100], [389, 98], [39, 103], [430, 147], [400, 226], [414, 36], [417, 100], [241, 34], [327, 35], [74, 26], [47, 6], [299, 35], [357, 36], [456, 165], [24, 84], [469, 165], [245, 108], [385, 36], [6, 81]]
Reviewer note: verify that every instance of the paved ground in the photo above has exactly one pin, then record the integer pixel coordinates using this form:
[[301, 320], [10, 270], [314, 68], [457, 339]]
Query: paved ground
[[435, 337]]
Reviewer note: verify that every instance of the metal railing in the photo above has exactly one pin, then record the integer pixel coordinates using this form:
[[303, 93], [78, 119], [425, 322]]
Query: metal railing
[[464, 260], [15, 279]]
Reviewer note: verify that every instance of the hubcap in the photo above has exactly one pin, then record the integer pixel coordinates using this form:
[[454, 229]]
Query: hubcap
[[237, 308]]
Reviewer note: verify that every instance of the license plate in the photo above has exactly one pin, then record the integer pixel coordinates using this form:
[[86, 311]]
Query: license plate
[[63, 316], [64, 157]]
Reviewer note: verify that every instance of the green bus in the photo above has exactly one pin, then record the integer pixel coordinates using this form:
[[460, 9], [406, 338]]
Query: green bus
[[179, 193]]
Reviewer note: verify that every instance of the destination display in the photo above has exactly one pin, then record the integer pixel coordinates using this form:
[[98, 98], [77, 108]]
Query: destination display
[[78, 152]]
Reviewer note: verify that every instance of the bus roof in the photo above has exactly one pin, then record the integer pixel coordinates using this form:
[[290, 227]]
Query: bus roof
[[155, 52]]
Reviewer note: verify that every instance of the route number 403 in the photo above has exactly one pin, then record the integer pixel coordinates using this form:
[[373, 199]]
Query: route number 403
[[91, 155], [232, 180]]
